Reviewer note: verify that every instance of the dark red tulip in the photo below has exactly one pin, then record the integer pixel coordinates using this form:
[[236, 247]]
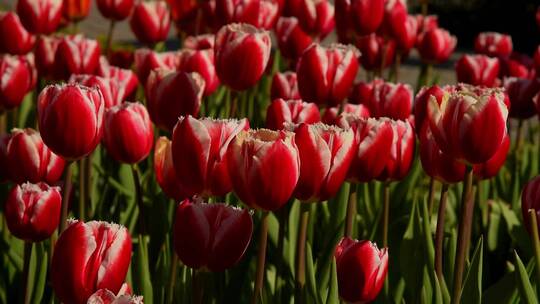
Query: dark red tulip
[[13, 36], [125, 79], [264, 168], [115, 9], [45, 52], [293, 111], [40, 16], [241, 55], [4, 174], [111, 91], [147, 60], [164, 169], [493, 44], [401, 157], [121, 58], [490, 168], [366, 15], [18, 78], [150, 21], [421, 102], [76, 55], [372, 47], [426, 22], [88, 257], [182, 9], [285, 86], [29, 160], [331, 115], [405, 34], [70, 119], [170, 95], [517, 65], [395, 17], [199, 148], [326, 74], [436, 45], [530, 197], [259, 13], [76, 10], [479, 70], [32, 211], [202, 62], [361, 270], [200, 42], [292, 40], [521, 92], [315, 17], [128, 133], [105, 296], [386, 99]]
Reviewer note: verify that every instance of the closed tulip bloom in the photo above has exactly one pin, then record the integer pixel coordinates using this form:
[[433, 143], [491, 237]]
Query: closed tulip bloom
[[530, 199], [517, 65], [202, 62], [14, 39], [44, 53], [165, 172], [173, 94], [76, 10], [241, 55], [259, 13], [199, 148], [70, 119], [115, 9], [374, 49], [491, 168], [521, 92], [292, 111], [326, 74], [18, 78], [315, 17], [200, 42], [125, 79], [211, 236], [405, 34], [361, 270], [291, 38], [401, 157], [29, 160], [285, 86], [421, 102], [105, 296], [4, 140], [477, 70], [469, 125], [147, 60], [395, 16], [264, 168], [493, 44], [76, 55], [436, 45], [367, 15], [331, 115], [40, 16], [426, 22], [88, 257], [32, 211], [182, 9], [150, 22], [111, 91], [393, 100]]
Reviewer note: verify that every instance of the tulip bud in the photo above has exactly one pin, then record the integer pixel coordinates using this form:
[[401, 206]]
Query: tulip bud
[[147, 60], [150, 22], [29, 160], [40, 16], [326, 75], [32, 211], [15, 39], [105, 296], [477, 70], [493, 44], [521, 92], [361, 270], [164, 169], [4, 174], [385, 99], [241, 55], [76, 55], [115, 10], [17, 79], [292, 111], [45, 52], [76, 10], [421, 102], [292, 40], [211, 236], [170, 95], [88, 257], [331, 116], [285, 86], [70, 119], [401, 157], [374, 49], [200, 42], [490, 168], [199, 148], [202, 62], [436, 45], [264, 168]]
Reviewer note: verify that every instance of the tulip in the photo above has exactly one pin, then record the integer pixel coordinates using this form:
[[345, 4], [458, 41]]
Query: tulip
[[395, 17], [200, 42], [173, 94], [469, 125], [477, 70], [105, 296], [164, 169], [88, 257], [331, 115], [292, 111], [76, 55], [365, 15], [150, 22], [521, 92], [375, 52], [199, 148], [490, 168], [4, 140], [128, 133], [32, 211], [292, 40], [45, 52], [259, 13], [530, 197], [125, 79], [421, 102], [326, 75], [426, 22], [70, 119], [493, 44], [211, 236], [264, 168], [17, 79], [16, 40], [76, 10], [436, 45], [29, 160], [401, 157], [202, 62], [241, 55], [517, 65], [361, 270], [393, 100], [182, 9], [284, 85], [147, 60], [115, 10], [405, 34], [40, 16], [315, 17], [112, 93]]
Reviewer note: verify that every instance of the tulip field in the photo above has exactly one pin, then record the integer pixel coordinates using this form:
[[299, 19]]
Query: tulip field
[[265, 151]]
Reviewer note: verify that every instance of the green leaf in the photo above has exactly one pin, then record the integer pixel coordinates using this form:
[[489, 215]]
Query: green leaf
[[525, 288], [504, 291], [310, 274], [333, 294], [411, 249], [40, 273], [141, 272], [472, 285]]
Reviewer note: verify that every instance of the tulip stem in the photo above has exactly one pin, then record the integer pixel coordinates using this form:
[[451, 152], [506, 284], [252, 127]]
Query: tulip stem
[[65, 198], [283, 215], [139, 199], [82, 188], [3, 122], [439, 232], [196, 285], [108, 42], [172, 281], [383, 58], [351, 212], [301, 253], [464, 233], [263, 237], [536, 240], [431, 195], [386, 212], [26, 270], [519, 134]]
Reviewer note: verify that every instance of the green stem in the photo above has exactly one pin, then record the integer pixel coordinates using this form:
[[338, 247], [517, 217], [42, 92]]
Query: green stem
[[351, 212], [3, 122], [172, 280], [108, 42], [65, 198], [261, 256], [439, 233], [283, 217], [301, 253], [536, 240], [519, 136], [82, 188], [431, 195], [386, 212], [139, 199], [26, 270]]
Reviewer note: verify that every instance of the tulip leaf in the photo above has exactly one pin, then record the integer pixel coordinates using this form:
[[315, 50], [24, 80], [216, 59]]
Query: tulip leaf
[[333, 294], [503, 291], [472, 285], [526, 290], [310, 274], [40, 278], [410, 251], [515, 229], [141, 275]]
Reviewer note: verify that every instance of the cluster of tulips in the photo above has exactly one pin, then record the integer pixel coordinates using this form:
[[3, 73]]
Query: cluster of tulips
[[256, 154]]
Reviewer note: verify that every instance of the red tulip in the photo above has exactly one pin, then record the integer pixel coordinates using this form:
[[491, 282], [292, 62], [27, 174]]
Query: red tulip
[[112, 94], [401, 157], [293, 111], [521, 92], [477, 70], [493, 44], [361, 270], [170, 95], [517, 65], [88, 257], [29, 160], [164, 169], [76, 55], [211, 236], [70, 119], [395, 17], [259, 13], [426, 22], [4, 140], [421, 102], [40, 16], [285, 86], [326, 75], [202, 62], [530, 197], [200, 42], [199, 148], [147, 60], [105, 296], [182, 9], [315, 17], [331, 115], [469, 124], [292, 40], [264, 168], [365, 15], [125, 79], [15, 39], [17, 79], [114, 9], [405, 34], [241, 55], [372, 47], [76, 10], [490, 168], [386, 99], [150, 22], [45, 52], [436, 45]]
